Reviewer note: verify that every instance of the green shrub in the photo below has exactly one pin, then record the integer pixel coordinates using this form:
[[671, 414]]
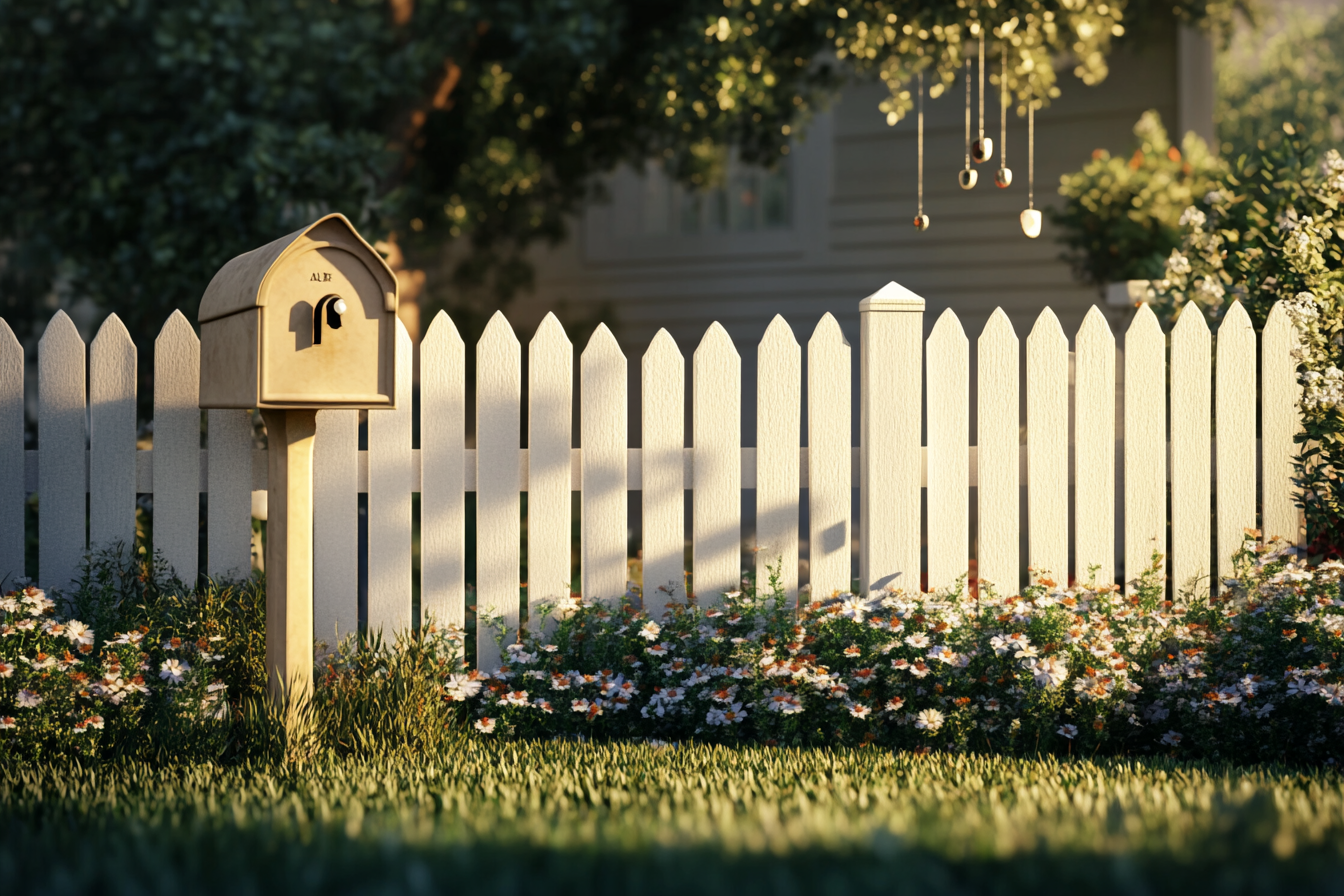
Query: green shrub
[[1120, 218]]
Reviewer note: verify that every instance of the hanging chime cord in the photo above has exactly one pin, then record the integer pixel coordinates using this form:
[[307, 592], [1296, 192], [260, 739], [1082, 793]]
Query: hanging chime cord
[[968, 113], [982, 84], [920, 119], [1031, 154], [1003, 107]]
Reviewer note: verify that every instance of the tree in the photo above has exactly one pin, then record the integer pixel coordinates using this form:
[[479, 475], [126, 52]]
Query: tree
[[145, 142]]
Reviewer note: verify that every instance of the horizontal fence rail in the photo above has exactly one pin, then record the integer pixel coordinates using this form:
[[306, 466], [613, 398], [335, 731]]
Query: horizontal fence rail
[[1091, 476]]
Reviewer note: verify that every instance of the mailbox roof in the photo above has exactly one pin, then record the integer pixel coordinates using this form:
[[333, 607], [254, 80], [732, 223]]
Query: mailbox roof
[[238, 285]]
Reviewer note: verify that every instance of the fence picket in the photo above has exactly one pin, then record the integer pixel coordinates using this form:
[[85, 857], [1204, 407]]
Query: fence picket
[[112, 359], [335, 525], [828, 458], [779, 377], [61, 470], [1191, 506], [1094, 450], [1145, 444], [12, 491], [1280, 421], [390, 504], [663, 400], [177, 446], [443, 511], [1234, 396], [1048, 449], [499, 380], [948, 384], [550, 410], [717, 492], [603, 433], [998, 453]]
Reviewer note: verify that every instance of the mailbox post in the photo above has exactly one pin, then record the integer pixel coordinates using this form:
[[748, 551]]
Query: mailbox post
[[301, 324]]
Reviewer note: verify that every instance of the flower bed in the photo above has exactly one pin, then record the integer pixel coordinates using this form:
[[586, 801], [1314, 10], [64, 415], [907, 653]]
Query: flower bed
[[1249, 675]]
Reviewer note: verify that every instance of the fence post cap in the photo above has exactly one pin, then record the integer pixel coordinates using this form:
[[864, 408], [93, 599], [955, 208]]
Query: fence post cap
[[892, 297]]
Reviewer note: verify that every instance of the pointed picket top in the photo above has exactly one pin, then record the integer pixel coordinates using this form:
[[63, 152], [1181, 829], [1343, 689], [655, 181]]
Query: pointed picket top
[[1191, 321], [113, 332], [779, 334], [998, 326], [1144, 322], [60, 330], [1047, 329], [8, 341], [948, 330], [1236, 317], [499, 333], [550, 332], [828, 331], [716, 343], [662, 347], [441, 330], [177, 330], [1095, 327], [603, 342], [892, 297]]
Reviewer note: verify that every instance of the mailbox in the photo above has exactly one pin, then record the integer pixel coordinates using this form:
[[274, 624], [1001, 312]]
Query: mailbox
[[305, 322]]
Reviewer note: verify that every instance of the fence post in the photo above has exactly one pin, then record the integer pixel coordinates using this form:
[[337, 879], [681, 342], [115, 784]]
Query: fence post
[[891, 333]]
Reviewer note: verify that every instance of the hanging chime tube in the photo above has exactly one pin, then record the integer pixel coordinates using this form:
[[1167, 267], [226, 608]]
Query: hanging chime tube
[[1030, 217], [982, 150], [921, 219], [967, 176], [1004, 176]]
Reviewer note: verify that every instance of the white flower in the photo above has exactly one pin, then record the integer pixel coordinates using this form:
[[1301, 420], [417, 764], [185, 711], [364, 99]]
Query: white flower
[[78, 633], [1333, 694], [6, 670], [944, 654], [485, 725], [461, 687], [894, 704], [1047, 671], [658, 649], [174, 670], [28, 699], [516, 698], [859, 711], [650, 631], [918, 639], [1172, 738], [929, 720], [783, 702], [1192, 217], [7, 723], [732, 715], [1069, 731], [1177, 265]]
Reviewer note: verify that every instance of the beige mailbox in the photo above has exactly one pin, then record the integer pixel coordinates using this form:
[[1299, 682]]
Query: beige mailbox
[[304, 323], [308, 321]]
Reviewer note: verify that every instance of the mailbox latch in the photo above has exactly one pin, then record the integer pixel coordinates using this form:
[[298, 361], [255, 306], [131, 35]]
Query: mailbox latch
[[333, 306]]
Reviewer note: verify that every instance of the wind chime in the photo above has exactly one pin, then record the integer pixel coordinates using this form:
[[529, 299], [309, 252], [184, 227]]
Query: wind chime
[[981, 149]]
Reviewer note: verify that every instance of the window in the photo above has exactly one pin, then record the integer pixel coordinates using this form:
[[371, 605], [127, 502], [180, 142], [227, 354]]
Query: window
[[750, 199]]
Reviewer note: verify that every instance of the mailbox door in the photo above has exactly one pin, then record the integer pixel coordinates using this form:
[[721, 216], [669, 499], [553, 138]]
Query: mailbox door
[[351, 366]]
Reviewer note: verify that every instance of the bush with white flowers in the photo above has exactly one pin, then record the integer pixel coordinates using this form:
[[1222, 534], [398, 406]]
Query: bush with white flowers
[[1252, 674], [65, 688]]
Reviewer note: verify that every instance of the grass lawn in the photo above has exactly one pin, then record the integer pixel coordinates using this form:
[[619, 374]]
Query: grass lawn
[[577, 818]]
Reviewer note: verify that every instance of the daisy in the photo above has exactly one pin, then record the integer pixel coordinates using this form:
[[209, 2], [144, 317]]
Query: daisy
[[918, 639], [6, 670], [516, 698], [28, 699], [1172, 738], [650, 631], [1069, 731], [174, 670], [929, 720], [859, 711], [894, 704], [485, 725], [78, 633], [7, 723], [852, 650]]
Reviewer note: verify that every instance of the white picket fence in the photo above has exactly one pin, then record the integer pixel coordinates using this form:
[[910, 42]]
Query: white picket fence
[[87, 448]]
